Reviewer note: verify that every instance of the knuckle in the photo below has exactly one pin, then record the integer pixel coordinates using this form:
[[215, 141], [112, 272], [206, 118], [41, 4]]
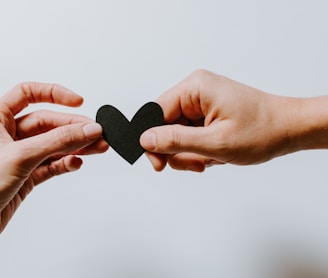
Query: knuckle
[[33, 91], [200, 72], [21, 86], [173, 141], [199, 75], [199, 79], [66, 137], [57, 168], [27, 89]]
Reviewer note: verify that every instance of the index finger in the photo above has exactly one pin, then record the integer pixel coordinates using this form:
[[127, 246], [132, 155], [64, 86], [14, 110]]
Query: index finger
[[183, 100], [33, 92]]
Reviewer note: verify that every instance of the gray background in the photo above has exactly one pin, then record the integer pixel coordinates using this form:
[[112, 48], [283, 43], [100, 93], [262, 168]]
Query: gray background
[[113, 220]]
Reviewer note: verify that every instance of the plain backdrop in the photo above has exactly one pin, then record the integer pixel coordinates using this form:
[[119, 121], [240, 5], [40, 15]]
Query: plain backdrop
[[111, 219]]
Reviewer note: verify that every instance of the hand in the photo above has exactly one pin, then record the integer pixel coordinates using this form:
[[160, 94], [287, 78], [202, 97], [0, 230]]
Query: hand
[[214, 120], [42, 144]]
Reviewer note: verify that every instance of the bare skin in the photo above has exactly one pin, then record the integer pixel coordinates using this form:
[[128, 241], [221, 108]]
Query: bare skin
[[37, 146], [213, 120]]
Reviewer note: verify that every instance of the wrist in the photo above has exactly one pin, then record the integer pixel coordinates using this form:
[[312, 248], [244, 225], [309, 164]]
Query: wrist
[[307, 123]]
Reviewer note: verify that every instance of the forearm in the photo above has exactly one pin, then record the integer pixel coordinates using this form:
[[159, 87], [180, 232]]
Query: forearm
[[308, 123]]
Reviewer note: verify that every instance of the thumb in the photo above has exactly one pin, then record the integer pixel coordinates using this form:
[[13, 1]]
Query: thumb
[[64, 139], [171, 139]]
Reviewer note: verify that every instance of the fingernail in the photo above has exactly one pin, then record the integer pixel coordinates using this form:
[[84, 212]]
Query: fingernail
[[148, 140], [92, 131]]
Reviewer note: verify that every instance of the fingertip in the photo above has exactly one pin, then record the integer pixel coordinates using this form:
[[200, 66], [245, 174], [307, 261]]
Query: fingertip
[[73, 163], [169, 101], [72, 99], [102, 146], [158, 161], [92, 130], [79, 100], [60, 94], [148, 140]]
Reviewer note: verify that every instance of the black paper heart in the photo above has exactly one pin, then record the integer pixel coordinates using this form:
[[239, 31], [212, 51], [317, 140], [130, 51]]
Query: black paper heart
[[123, 136]]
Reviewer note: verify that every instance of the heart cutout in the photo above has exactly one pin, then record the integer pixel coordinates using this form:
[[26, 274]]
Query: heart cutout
[[122, 135]]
